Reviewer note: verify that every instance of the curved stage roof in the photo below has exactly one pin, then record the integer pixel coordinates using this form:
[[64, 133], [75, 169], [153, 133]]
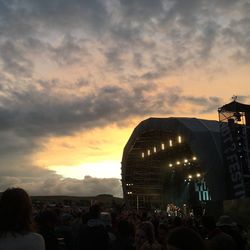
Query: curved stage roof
[[201, 137]]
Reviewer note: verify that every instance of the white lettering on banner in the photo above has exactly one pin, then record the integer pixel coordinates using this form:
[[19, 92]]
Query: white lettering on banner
[[233, 164], [202, 190]]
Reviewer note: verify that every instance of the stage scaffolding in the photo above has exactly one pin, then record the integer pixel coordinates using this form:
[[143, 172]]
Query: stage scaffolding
[[234, 122]]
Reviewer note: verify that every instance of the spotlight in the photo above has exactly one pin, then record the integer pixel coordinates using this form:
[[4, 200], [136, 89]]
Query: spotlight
[[186, 160], [190, 176], [170, 143], [154, 149], [142, 155], [148, 151], [178, 163], [162, 146], [194, 158], [170, 165], [198, 175], [179, 139]]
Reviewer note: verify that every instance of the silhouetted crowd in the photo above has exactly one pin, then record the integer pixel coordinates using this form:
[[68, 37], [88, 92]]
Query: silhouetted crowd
[[23, 227]]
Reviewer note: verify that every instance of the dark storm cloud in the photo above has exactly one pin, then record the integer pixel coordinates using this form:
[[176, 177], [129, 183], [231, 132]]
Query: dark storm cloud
[[114, 58], [184, 30], [237, 35], [51, 184], [208, 39], [14, 60], [28, 17], [210, 104], [35, 112], [69, 52]]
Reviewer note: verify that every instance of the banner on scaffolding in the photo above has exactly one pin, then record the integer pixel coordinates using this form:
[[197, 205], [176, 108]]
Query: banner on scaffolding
[[235, 159]]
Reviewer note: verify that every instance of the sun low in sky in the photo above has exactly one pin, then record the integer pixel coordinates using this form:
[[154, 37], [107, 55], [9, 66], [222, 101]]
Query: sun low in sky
[[76, 77]]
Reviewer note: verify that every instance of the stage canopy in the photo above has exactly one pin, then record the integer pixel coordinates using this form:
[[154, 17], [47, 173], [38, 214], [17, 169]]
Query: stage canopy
[[148, 151]]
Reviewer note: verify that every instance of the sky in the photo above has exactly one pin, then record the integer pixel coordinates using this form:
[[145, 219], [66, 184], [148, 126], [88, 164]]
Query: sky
[[77, 76]]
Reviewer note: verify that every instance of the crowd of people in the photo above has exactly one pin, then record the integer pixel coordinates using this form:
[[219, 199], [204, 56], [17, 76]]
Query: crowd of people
[[24, 226]]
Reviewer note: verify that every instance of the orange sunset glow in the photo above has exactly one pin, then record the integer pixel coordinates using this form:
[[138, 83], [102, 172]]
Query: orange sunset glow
[[78, 76]]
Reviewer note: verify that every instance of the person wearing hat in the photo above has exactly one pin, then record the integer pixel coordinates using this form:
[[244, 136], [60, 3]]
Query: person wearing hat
[[226, 224], [215, 238]]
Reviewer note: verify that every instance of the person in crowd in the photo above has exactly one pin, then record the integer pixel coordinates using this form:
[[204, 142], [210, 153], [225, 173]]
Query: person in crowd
[[125, 236], [107, 222], [183, 238], [65, 231], [216, 239], [93, 235], [145, 237], [16, 226], [47, 221], [162, 234], [228, 226]]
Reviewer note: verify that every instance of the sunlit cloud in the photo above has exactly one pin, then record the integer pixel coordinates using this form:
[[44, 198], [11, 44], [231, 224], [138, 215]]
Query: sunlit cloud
[[77, 76]]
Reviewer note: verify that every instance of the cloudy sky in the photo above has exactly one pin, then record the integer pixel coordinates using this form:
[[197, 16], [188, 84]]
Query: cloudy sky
[[77, 76]]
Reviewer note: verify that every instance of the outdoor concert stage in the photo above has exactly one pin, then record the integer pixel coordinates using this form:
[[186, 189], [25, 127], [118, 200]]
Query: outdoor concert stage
[[185, 162]]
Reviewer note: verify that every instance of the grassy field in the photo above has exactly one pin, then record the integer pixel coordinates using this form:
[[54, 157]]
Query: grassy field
[[106, 200]]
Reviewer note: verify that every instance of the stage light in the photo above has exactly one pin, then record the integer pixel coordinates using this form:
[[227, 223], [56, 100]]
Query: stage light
[[162, 146], [142, 155], [194, 158], [198, 175], [170, 165], [179, 139], [178, 163], [186, 160], [154, 149], [190, 176], [170, 143], [148, 151]]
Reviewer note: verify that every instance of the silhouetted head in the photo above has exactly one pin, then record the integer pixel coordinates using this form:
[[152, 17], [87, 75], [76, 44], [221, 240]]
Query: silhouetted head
[[15, 211], [183, 238], [225, 220], [208, 222], [94, 211], [47, 219], [162, 232], [125, 229], [144, 233]]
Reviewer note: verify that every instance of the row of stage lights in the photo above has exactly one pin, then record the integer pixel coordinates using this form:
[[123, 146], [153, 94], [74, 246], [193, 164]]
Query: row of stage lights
[[163, 146], [186, 161], [191, 177]]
